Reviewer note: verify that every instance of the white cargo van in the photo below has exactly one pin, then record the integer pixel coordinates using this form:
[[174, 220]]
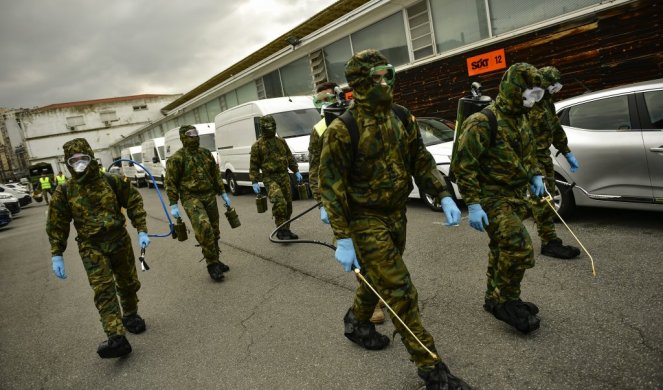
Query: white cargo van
[[153, 153], [129, 169], [238, 128], [205, 132]]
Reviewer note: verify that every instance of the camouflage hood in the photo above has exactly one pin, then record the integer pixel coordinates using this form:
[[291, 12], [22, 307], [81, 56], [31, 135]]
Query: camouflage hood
[[189, 143], [366, 93], [549, 76], [267, 126], [80, 145], [515, 81]]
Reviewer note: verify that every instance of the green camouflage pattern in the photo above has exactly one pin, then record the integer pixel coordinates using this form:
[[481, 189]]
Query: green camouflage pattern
[[366, 195], [111, 270], [193, 178], [203, 213], [314, 150], [542, 213], [103, 242], [549, 76], [270, 159], [497, 177]]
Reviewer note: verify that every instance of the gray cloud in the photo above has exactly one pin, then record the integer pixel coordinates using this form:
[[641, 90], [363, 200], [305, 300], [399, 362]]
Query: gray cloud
[[69, 50]]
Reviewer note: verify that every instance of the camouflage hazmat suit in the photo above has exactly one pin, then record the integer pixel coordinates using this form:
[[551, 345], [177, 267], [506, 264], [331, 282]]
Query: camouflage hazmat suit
[[103, 242], [271, 155], [193, 178], [365, 196], [497, 176], [547, 131]]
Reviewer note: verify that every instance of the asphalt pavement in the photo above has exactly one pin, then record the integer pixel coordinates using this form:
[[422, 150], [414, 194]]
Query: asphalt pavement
[[275, 322]]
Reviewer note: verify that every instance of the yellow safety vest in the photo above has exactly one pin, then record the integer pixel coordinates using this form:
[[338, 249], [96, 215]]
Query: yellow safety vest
[[60, 179], [320, 127], [45, 183], [103, 169]]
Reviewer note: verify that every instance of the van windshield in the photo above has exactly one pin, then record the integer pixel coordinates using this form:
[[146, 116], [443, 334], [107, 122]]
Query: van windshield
[[207, 142], [296, 123]]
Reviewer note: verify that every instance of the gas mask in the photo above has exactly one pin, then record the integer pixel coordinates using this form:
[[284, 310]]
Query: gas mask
[[554, 88], [532, 95], [79, 162]]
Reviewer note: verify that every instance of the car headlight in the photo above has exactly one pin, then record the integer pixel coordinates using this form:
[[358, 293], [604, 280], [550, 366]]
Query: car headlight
[[301, 157], [5, 196]]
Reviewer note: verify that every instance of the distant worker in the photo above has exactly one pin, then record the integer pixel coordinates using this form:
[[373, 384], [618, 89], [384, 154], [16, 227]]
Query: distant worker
[[547, 131], [271, 155], [45, 185], [193, 178], [60, 179], [93, 201]]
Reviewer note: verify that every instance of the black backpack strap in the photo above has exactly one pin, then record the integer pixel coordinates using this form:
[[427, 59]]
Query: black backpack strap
[[351, 124], [401, 114], [492, 123]]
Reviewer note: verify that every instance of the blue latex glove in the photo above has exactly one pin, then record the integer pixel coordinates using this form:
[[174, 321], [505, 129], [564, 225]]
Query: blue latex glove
[[58, 267], [478, 217], [537, 186], [572, 161], [174, 211], [226, 198], [299, 177], [256, 188], [324, 217], [451, 211], [143, 239], [345, 254]]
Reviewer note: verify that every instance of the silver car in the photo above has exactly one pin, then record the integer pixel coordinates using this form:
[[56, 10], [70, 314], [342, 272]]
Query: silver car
[[617, 136]]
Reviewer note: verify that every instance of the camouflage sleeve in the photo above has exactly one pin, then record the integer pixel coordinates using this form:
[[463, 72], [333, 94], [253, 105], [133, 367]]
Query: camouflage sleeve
[[134, 204], [217, 181], [58, 222], [173, 178], [292, 163], [423, 167], [474, 139], [559, 140], [335, 164], [314, 163], [530, 161], [255, 163]]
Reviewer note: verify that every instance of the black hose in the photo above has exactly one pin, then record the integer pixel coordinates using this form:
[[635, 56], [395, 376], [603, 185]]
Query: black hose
[[272, 239]]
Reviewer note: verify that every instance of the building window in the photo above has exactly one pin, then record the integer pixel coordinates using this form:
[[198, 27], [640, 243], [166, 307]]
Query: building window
[[108, 116], [458, 22], [336, 55], [73, 121], [140, 107], [421, 38], [247, 93], [508, 15], [231, 99], [296, 78], [388, 36], [272, 82]]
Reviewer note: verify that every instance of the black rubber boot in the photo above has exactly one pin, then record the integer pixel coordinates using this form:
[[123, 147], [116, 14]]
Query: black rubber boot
[[282, 235], [292, 235], [517, 314], [134, 323], [215, 272], [224, 268], [556, 249], [363, 333], [114, 347], [439, 378], [489, 306]]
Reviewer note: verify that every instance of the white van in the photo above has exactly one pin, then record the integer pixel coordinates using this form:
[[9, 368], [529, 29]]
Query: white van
[[238, 128], [153, 153], [130, 170], [205, 132]]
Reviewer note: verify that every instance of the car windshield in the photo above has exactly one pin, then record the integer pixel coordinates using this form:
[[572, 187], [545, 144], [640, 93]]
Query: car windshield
[[434, 132], [207, 142], [296, 123]]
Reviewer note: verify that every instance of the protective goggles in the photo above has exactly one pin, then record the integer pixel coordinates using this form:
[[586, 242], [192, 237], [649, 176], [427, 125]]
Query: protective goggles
[[554, 88], [78, 157], [191, 133], [322, 97], [535, 94], [383, 72]]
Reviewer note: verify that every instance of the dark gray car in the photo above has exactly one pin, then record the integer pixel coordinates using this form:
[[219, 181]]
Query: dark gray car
[[617, 136]]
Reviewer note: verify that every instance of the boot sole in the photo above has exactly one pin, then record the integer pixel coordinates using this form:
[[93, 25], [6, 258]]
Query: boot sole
[[114, 353], [359, 342]]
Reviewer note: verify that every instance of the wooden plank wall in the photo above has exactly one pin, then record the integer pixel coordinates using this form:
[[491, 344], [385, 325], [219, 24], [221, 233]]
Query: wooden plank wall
[[605, 49]]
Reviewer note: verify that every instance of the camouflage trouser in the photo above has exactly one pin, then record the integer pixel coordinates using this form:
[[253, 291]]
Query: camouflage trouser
[[510, 248], [380, 242], [280, 195], [111, 271], [542, 212], [203, 212]]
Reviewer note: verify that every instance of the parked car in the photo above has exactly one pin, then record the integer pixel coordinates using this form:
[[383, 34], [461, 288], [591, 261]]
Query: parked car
[[617, 136], [10, 202], [5, 215], [24, 198], [17, 187], [438, 136]]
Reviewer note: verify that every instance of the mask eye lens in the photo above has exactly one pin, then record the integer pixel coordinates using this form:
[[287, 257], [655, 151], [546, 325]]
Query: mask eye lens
[[191, 133], [76, 158], [383, 72]]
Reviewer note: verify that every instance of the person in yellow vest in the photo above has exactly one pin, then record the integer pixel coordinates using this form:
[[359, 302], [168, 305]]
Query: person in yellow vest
[[45, 184], [60, 179]]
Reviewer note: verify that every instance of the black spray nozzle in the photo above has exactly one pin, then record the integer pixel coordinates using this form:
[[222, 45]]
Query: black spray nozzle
[[476, 89], [141, 258]]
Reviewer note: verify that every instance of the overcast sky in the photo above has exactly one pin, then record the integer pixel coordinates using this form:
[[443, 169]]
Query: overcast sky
[[70, 50]]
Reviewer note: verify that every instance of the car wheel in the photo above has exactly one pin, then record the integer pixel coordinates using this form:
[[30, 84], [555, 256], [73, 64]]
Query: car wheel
[[148, 183], [232, 183], [430, 202], [563, 198]]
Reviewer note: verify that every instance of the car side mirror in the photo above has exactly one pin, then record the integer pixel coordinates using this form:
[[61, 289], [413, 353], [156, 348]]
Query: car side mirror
[[155, 159], [131, 164]]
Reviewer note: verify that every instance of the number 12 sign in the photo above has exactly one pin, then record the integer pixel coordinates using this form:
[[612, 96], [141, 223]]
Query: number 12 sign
[[486, 62]]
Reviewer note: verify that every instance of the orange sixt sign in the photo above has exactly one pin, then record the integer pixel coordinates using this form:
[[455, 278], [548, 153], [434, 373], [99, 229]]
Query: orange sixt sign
[[486, 62]]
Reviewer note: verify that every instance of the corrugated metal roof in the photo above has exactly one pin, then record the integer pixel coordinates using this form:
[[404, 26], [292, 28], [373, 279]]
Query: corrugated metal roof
[[99, 101], [313, 24]]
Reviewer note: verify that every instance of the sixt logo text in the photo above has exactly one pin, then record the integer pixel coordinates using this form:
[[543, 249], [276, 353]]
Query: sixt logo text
[[481, 63]]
